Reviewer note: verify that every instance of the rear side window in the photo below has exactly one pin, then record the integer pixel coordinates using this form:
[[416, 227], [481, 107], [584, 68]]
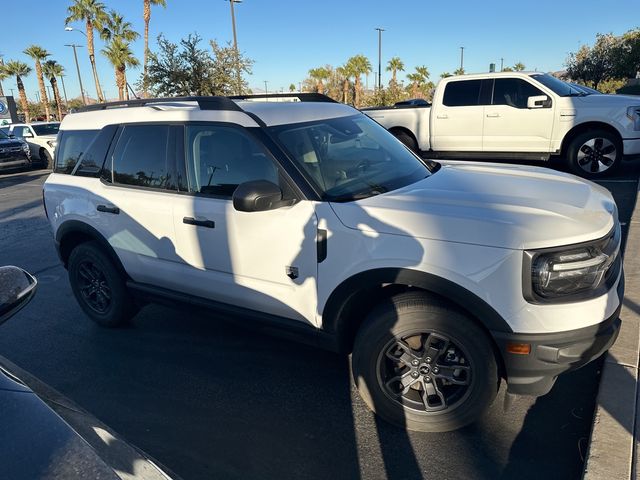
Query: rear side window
[[462, 93], [71, 145], [140, 156], [513, 92]]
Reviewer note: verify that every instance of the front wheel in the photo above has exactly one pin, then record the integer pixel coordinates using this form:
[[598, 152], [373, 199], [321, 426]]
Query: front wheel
[[423, 365], [46, 159], [594, 154]]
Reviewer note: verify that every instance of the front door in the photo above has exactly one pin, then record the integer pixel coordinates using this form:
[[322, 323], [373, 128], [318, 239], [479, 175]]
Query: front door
[[509, 126], [265, 261]]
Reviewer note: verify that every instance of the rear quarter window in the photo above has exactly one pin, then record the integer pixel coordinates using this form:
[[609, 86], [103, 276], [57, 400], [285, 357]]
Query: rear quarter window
[[463, 93], [71, 145]]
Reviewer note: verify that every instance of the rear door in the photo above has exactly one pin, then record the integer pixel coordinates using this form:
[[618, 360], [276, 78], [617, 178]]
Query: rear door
[[457, 121], [509, 126]]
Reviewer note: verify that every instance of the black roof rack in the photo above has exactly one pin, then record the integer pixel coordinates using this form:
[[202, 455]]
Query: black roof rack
[[303, 97], [205, 103]]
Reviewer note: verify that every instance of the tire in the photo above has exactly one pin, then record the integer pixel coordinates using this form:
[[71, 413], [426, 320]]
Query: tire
[[594, 154], [98, 286], [407, 139], [45, 159], [456, 341]]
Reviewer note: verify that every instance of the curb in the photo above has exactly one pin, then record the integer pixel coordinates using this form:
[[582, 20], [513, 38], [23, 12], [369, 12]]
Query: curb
[[614, 437]]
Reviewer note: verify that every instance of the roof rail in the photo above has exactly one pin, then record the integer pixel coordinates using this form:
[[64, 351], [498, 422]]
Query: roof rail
[[205, 103], [303, 97]]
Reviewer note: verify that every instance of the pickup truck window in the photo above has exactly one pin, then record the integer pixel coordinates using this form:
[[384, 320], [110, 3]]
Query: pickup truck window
[[350, 158], [558, 86], [513, 92], [462, 93]]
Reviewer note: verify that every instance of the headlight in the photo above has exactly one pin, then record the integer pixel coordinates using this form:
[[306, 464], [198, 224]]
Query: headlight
[[634, 115], [579, 270], [51, 143]]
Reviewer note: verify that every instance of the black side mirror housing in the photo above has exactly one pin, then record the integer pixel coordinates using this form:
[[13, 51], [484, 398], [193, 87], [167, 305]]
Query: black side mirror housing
[[17, 288], [257, 196]]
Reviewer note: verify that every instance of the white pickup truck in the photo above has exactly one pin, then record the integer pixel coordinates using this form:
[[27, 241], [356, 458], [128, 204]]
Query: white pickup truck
[[519, 116]]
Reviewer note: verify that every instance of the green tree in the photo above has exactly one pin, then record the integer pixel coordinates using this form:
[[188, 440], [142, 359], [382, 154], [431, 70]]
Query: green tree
[[292, 87], [119, 54], [344, 73], [358, 65], [394, 66], [93, 14], [146, 15], [38, 54], [51, 70], [418, 80], [226, 64], [18, 69], [3, 76], [115, 27], [320, 74], [445, 75], [626, 57], [519, 67], [459, 71], [594, 64]]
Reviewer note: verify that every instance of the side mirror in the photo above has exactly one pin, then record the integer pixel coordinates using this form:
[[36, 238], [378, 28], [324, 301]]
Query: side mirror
[[257, 196], [538, 101], [17, 288], [11, 135]]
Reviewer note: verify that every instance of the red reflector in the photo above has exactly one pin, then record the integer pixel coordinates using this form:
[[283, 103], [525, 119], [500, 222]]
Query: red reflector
[[519, 348]]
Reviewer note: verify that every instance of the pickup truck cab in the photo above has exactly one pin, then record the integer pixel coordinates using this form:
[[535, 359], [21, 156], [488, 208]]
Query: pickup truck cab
[[519, 116]]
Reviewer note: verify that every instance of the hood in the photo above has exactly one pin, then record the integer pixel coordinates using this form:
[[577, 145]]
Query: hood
[[10, 142], [493, 205], [47, 137], [605, 101]]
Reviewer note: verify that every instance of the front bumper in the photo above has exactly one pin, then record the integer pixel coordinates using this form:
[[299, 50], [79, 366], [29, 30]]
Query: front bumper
[[555, 353], [14, 160]]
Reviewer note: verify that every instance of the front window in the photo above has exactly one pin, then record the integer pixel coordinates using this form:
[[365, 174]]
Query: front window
[[46, 128], [350, 158], [558, 86], [3, 133]]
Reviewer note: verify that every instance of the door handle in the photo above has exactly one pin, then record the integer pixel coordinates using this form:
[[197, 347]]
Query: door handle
[[444, 116], [493, 115], [199, 223], [108, 209]]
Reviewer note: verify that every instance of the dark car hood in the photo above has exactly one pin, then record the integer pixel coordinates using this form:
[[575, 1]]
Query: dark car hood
[[10, 142]]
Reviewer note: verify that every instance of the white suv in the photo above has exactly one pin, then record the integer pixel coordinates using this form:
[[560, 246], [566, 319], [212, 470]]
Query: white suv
[[309, 216], [41, 138]]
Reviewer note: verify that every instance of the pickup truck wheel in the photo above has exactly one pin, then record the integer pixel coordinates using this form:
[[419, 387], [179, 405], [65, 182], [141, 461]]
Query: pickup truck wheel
[[423, 365], [594, 154], [407, 139], [98, 286], [45, 158]]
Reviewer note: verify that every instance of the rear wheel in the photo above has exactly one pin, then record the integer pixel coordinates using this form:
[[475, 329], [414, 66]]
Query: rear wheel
[[98, 286], [594, 154], [423, 365], [406, 138]]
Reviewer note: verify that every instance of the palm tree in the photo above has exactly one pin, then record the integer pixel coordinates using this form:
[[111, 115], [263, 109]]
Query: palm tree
[[292, 87], [418, 79], [3, 76], [92, 12], [19, 69], [519, 67], [344, 72], [120, 56], [53, 69], [319, 75], [358, 65], [147, 17], [395, 65], [115, 27], [38, 54]]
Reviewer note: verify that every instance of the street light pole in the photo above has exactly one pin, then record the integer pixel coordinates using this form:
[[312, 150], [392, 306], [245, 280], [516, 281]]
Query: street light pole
[[64, 90], [75, 55], [380, 30], [461, 59], [501, 64], [235, 44]]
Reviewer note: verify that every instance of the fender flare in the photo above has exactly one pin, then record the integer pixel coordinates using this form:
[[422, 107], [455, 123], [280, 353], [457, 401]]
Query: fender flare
[[334, 315]]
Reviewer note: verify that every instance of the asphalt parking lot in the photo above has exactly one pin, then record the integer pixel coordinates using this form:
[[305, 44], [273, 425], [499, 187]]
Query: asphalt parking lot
[[210, 399]]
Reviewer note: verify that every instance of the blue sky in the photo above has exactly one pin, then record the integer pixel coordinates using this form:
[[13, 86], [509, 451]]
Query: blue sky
[[286, 38]]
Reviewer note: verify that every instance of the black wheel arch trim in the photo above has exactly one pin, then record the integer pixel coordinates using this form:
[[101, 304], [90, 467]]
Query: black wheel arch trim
[[71, 227], [333, 315]]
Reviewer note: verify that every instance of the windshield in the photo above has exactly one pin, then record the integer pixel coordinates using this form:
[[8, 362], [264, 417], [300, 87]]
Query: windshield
[[563, 89], [3, 135], [46, 128], [350, 158]]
